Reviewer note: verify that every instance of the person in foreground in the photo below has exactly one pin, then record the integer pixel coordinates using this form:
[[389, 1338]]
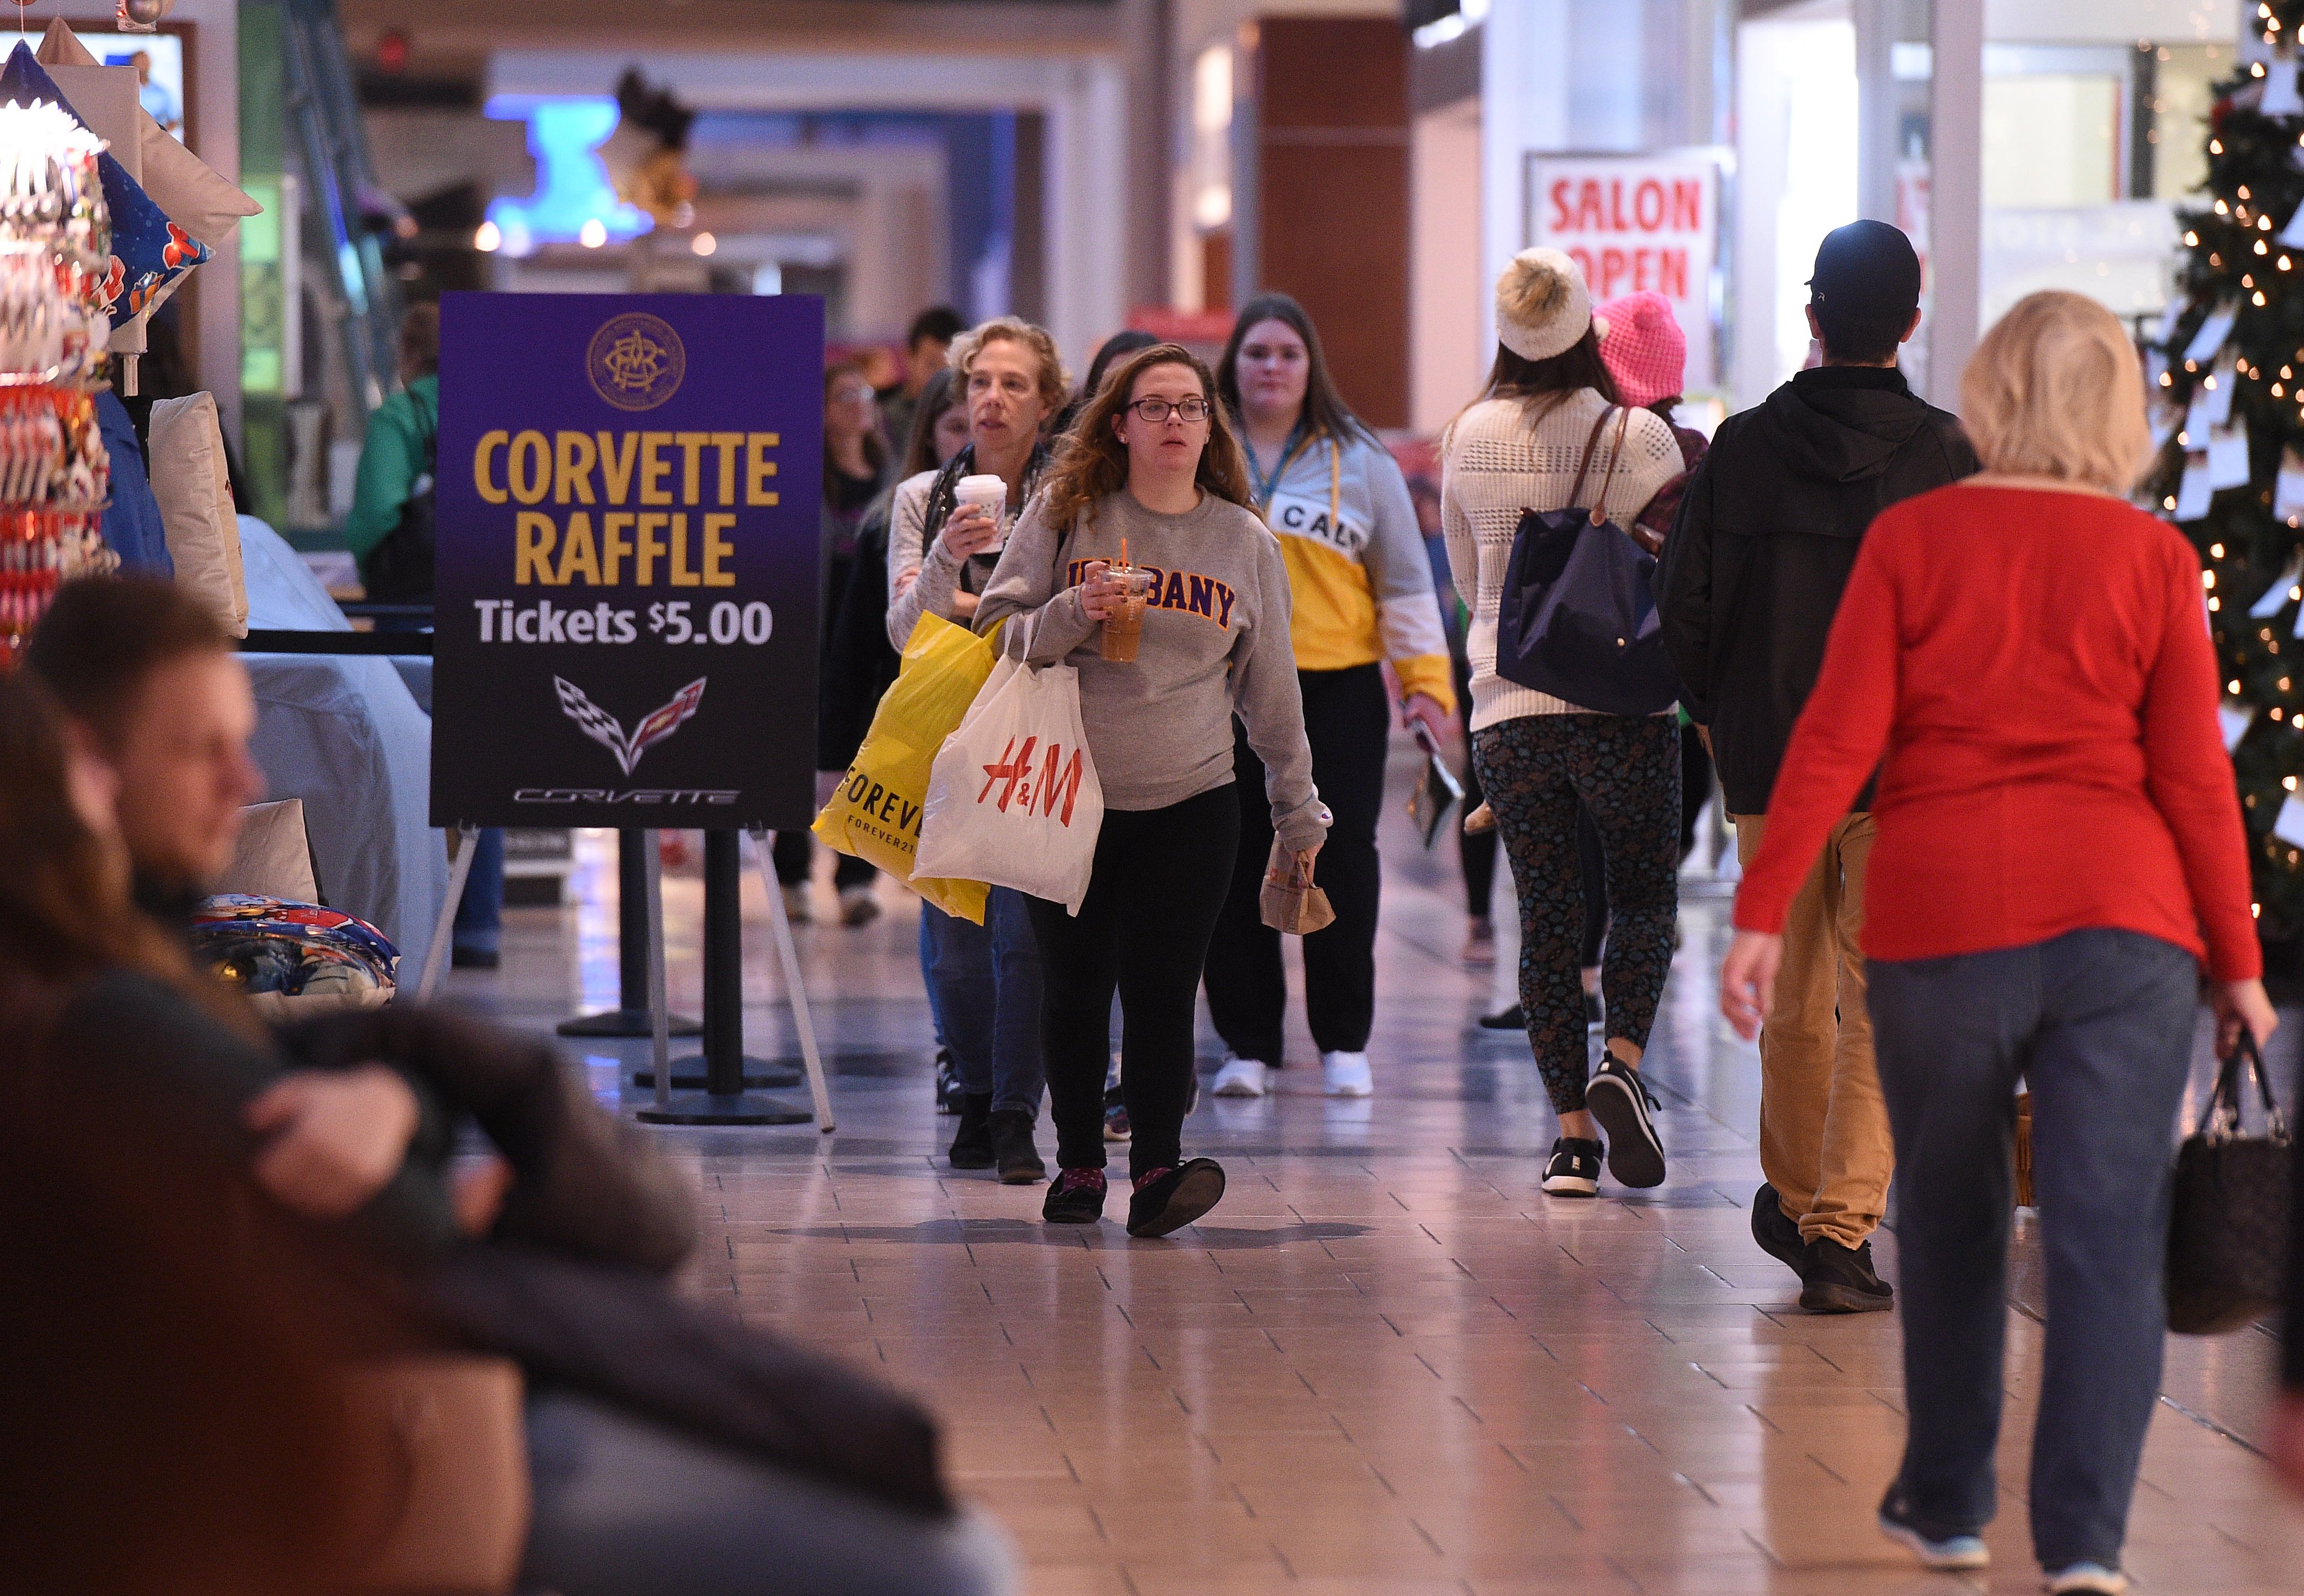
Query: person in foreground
[[642, 1456], [2024, 659], [1153, 472], [1751, 576], [1549, 432]]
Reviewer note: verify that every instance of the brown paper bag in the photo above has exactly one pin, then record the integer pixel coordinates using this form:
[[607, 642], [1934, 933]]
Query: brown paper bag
[[1290, 903]]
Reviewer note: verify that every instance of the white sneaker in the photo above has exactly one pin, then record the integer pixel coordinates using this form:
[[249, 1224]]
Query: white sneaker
[[796, 904], [1346, 1075], [1239, 1077]]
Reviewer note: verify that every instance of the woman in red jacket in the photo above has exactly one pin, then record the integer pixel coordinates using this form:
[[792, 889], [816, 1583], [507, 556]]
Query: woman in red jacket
[[2025, 659]]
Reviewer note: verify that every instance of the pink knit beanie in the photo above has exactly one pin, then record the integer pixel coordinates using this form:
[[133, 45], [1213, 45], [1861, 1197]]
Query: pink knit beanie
[[1643, 347]]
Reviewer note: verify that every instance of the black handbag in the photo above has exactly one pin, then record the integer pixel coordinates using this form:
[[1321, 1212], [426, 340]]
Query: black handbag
[[2228, 1228], [1576, 618]]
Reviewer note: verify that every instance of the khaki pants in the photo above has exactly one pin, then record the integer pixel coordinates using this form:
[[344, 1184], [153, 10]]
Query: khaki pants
[[1823, 1129]]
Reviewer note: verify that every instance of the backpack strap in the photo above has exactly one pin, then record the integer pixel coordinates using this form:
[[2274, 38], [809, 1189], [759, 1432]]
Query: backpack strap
[[1599, 506], [1590, 444]]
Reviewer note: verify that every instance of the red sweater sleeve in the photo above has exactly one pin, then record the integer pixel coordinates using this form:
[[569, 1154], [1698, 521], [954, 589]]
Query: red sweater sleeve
[[2190, 777], [1837, 743]]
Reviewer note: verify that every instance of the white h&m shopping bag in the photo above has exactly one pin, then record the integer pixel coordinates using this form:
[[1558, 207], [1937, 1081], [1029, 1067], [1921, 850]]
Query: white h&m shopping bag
[[1013, 800]]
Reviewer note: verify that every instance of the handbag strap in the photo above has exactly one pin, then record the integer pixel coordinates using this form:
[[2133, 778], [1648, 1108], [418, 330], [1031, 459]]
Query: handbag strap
[[1623, 425], [2223, 1116], [1591, 446]]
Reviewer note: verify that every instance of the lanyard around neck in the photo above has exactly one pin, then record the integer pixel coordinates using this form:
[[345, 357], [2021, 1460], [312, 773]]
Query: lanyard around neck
[[1264, 485]]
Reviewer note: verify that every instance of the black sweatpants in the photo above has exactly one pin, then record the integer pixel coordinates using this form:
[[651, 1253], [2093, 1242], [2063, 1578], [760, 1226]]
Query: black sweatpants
[[1348, 722], [1143, 929]]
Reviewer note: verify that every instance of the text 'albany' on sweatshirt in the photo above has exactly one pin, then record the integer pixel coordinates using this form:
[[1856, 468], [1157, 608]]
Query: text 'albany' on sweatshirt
[[1216, 642]]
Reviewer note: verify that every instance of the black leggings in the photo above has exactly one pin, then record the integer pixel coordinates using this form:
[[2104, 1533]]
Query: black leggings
[[1161, 875], [1348, 722], [1476, 851]]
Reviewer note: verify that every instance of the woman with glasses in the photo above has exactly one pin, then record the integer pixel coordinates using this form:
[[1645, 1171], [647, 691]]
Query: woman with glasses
[[1361, 593], [1153, 473]]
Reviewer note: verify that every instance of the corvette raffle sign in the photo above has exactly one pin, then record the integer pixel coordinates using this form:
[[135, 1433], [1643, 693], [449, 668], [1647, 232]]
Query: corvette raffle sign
[[629, 568], [1636, 222]]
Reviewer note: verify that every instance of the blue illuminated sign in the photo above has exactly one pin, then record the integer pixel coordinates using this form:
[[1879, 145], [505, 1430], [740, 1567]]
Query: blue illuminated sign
[[572, 191]]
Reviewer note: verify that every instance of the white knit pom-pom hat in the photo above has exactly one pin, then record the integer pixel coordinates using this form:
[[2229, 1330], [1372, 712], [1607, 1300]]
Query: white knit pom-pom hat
[[1543, 307]]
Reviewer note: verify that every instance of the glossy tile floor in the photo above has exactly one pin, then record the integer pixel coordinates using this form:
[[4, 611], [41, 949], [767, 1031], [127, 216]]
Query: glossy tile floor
[[1386, 1363]]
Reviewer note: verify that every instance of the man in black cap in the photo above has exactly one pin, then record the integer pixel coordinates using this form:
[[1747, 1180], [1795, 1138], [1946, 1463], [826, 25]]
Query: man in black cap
[[1751, 576]]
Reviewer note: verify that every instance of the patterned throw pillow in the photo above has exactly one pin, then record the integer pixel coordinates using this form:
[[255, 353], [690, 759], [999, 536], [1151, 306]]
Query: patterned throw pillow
[[148, 251], [292, 957]]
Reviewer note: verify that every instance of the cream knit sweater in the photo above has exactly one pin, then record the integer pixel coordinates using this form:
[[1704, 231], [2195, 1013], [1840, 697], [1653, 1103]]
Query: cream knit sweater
[[1494, 465]]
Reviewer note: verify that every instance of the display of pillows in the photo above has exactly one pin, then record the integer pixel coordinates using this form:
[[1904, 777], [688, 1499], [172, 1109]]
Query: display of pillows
[[193, 486], [149, 250], [294, 957]]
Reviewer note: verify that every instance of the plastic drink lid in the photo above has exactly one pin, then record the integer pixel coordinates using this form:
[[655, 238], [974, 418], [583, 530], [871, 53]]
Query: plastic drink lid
[[984, 489]]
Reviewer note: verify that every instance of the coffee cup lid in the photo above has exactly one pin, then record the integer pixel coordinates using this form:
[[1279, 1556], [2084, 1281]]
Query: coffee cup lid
[[985, 486]]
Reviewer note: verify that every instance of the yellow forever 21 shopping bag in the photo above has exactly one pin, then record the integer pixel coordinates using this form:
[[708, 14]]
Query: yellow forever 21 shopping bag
[[875, 813]]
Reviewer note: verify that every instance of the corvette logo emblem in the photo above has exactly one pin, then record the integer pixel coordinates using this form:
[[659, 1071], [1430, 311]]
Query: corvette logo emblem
[[604, 729]]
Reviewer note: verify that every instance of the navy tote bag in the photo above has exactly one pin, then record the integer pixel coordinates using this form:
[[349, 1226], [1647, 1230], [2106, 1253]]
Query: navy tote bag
[[1577, 617]]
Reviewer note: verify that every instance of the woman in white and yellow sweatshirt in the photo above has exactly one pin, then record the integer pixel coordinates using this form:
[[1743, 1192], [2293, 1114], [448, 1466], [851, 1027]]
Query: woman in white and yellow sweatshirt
[[1362, 589]]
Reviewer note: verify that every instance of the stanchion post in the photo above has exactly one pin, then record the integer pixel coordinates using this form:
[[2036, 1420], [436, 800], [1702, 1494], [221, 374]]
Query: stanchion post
[[788, 956], [444, 929], [659, 1006]]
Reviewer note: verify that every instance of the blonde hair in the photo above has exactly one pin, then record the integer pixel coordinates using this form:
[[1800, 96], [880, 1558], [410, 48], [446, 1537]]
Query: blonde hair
[[2054, 390], [1055, 381]]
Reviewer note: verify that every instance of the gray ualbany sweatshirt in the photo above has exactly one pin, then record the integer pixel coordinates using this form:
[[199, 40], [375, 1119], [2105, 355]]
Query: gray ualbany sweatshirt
[[1215, 641]]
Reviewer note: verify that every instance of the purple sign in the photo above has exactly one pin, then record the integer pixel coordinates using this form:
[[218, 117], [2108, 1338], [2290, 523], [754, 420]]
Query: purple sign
[[628, 575]]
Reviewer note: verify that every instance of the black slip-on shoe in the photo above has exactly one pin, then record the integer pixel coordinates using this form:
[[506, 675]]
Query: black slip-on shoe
[[1514, 1018], [474, 959], [1167, 1200], [1574, 1169], [1621, 1101], [1018, 1160], [1076, 1198], [1777, 1232], [1838, 1280], [971, 1140]]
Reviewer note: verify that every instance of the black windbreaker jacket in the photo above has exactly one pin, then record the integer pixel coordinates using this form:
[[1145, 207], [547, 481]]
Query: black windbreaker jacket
[[1753, 570]]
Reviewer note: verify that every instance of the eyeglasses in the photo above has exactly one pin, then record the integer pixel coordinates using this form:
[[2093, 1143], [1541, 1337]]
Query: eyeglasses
[[1157, 410]]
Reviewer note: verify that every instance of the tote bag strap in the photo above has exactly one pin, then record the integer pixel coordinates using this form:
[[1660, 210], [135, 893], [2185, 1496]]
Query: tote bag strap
[[1591, 445], [1623, 425]]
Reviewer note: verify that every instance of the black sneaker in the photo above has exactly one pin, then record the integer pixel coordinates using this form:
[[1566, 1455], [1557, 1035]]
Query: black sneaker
[[1011, 1149], [971, 1142], [473, 959], [1115, 1115], [1574, 1171], [1936, 1547], [1621, 1101], [1838, 1280], [1514, 1018], [1778, 1234], [1167, 1200], [947, 1078], [1077, 1198]]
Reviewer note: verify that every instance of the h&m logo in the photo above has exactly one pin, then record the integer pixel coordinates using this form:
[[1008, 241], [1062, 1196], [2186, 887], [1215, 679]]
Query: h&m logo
[[1057, 778]]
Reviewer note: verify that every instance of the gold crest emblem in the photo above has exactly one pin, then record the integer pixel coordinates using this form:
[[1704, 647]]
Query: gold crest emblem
[[636, 361]]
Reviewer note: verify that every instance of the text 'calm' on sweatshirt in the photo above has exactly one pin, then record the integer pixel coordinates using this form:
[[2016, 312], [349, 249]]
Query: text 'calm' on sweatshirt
[[1215, 641]]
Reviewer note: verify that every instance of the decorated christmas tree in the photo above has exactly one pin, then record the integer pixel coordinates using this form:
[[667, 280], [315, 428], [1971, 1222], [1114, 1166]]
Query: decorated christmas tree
[[2225, 373]]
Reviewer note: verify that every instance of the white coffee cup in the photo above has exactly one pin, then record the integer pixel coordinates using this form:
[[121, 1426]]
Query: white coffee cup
[[992, 494]]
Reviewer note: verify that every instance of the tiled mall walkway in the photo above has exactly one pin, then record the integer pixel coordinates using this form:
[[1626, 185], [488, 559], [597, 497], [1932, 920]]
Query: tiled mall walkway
[[1386, 1363]]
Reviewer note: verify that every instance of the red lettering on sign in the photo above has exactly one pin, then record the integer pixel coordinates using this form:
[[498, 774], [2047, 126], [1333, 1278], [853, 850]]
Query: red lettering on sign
[[1672, 274], [1648, 205], [1588, 212], [1560, 219]]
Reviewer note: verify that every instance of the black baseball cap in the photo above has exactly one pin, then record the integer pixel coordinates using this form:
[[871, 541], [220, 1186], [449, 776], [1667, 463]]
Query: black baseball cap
[[1866, 269]]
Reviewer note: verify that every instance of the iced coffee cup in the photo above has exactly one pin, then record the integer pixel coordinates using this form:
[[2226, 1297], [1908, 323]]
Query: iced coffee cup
[[1124, 628], [991, 493]]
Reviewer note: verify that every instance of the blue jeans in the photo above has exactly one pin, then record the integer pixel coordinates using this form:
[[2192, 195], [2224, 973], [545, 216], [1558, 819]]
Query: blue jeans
[[2099, 1024], [626, 1507], [479, 914], [984, 985]]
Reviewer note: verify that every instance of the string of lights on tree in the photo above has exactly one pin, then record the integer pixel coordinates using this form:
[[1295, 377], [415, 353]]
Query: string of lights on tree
[[2225, 371]]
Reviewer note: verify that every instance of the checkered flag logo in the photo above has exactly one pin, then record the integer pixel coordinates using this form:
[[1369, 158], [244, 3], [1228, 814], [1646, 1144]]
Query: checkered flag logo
[[606, 729]]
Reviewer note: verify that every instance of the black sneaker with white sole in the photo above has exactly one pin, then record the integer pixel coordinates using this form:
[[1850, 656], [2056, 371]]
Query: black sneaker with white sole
[[1776, 1232], [1619, 1100], [1574, 1171]]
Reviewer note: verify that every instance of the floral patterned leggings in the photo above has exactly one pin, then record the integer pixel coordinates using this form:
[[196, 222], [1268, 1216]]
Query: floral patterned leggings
[[1626, 771]]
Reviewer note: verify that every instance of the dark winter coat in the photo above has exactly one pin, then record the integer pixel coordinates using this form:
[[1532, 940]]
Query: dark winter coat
[[1753, 570]]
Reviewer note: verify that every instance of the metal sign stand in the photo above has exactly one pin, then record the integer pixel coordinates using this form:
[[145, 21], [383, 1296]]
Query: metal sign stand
[[444, 929], [723, 1100], [794, 988], [723, 966], [631, 1017]]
